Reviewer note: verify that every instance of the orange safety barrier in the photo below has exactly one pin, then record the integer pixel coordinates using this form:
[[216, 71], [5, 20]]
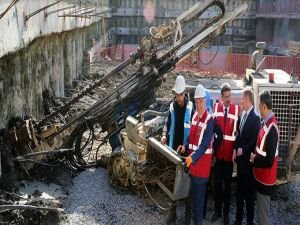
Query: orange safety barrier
[[209, 63]]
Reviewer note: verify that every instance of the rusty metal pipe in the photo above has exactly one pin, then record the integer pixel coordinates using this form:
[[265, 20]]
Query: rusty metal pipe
[[86, 17], [97, 15], [34, 154], [8, 8], [114, 71], [40, 10], [58, 10], [79, 10], [88, 11]]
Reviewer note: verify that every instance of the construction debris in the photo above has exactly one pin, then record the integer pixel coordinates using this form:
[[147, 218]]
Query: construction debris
[[294, 48]]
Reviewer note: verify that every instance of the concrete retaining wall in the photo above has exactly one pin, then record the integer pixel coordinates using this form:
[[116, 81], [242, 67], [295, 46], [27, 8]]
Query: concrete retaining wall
[[43, 52], [50, 62], [17, 33]]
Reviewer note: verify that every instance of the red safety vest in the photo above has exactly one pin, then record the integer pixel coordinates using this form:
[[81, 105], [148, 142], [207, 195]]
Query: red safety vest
[[266, 176], [229, 129], [202, 167]]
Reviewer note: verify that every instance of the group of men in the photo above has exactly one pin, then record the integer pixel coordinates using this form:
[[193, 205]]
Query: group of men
[[229, 134]]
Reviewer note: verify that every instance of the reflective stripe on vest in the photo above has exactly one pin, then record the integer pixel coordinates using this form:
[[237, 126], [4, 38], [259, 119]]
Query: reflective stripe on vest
[[194, 148], [187, 123], [203, 127], [172, 127], [200, 168], [266, 176], [234, 116], [259, 149]]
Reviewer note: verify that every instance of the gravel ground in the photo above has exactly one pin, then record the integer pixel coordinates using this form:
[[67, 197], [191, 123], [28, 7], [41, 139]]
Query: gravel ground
[[93, 201]]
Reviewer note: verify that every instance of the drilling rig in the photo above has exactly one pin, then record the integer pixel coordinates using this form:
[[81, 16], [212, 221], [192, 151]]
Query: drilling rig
[[140, 159]]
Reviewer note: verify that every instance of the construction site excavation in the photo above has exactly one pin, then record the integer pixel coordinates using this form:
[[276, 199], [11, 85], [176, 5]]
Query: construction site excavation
[[149, 112]]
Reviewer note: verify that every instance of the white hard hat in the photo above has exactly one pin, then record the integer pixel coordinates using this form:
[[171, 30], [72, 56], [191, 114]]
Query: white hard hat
[[179, 85], [261, 45], [200, 92]]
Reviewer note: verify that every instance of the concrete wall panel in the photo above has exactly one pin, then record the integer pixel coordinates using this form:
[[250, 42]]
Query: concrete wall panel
[[16, 33], [50, 62]]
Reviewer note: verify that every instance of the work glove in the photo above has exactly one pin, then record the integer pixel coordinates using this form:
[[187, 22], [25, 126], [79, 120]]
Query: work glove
[[188, 161]]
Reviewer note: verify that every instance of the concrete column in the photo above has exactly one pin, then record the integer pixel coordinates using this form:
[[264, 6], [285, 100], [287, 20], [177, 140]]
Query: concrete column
[[281, 31]]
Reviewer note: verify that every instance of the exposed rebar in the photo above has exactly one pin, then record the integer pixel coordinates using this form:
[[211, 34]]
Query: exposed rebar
[[24, 157], [58, 10], [8, 8], [40, 10]]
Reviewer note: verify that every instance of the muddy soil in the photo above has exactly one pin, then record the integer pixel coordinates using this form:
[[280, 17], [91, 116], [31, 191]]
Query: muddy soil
[[59, 176]]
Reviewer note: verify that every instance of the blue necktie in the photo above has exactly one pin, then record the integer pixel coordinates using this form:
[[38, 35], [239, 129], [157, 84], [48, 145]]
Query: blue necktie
[[243, 122]]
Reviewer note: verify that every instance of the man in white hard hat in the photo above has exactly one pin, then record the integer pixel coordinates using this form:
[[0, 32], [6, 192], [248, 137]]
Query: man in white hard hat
[[200, 152], [177, 126]]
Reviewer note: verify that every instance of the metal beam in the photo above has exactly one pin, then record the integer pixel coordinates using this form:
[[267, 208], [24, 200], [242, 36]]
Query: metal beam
[[88, 11], [26, 17], [8, 8], [79, 10], [79, 16], [58, 10]]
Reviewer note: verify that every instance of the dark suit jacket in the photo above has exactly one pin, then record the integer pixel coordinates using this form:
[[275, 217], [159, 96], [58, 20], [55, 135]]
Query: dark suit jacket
[[247, 141]]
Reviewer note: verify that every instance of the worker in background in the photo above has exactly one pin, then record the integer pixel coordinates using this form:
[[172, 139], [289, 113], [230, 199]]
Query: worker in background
[[226, 113], [258, 55], [177, 126], [199, 149], [249, 127], [265, 158]]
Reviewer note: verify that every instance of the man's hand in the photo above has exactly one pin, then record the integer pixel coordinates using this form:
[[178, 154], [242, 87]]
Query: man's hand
[[181, 149], [163, 140], [188, 161], [234, 156], [252, 156], [239, 152]]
